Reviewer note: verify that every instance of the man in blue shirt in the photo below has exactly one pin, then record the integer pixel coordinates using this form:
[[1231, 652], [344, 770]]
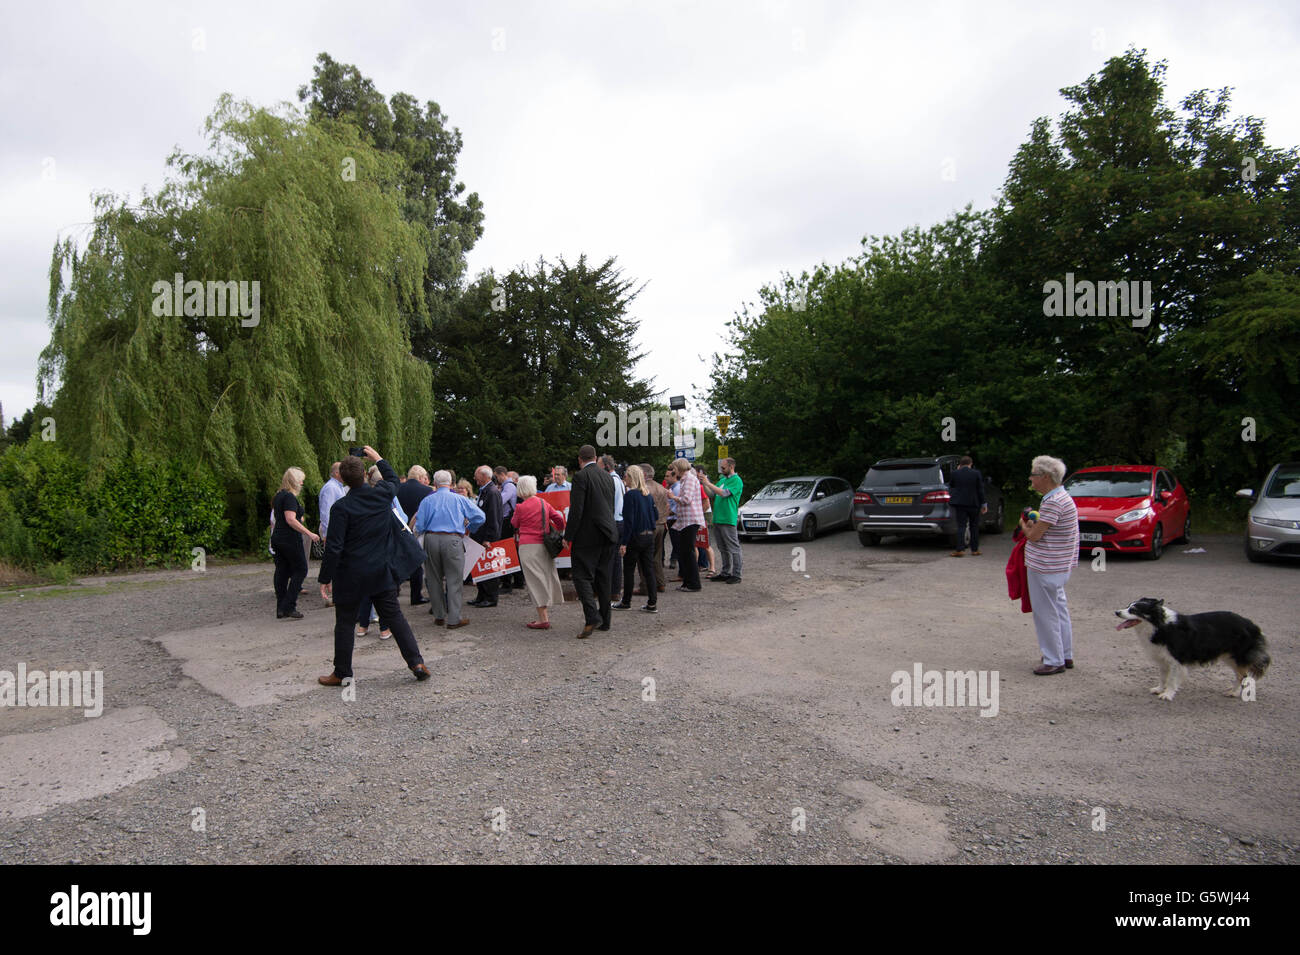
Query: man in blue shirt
[[332, 490], [559, 479], [443, 519]]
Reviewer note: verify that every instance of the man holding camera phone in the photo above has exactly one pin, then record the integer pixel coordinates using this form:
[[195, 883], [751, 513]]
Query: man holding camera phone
[[368, 554]]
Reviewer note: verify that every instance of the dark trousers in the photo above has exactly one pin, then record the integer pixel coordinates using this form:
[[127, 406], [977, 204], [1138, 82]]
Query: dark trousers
[[640, 553], [417, 585], [488, 590], [390, 618], [687, 564], [591, 581], [967, 516], [656, 561], [616, 564], [290, 572]]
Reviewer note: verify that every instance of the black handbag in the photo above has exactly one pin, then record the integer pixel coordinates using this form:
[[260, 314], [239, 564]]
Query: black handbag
[[552, 539]]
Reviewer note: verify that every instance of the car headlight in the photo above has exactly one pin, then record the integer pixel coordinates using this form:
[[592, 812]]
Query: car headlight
[[787, 512], [1272, 522], [1134, 515]]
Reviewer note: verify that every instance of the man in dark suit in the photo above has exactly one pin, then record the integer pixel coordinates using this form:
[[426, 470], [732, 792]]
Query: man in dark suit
[[365, 557], [489, 501], [966, 495], [591, 531]]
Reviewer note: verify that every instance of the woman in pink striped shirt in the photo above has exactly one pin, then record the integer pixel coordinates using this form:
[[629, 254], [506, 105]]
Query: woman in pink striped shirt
[[1051, 552]]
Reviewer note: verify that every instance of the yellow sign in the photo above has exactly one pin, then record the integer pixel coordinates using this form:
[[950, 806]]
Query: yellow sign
[[722, 452], [724, 420]]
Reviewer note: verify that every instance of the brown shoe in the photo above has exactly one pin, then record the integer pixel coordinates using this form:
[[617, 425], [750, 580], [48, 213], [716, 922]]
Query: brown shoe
[[439, 621], [453, 626], [975, 553], [1045, 670], [330, 679], [958, 553], [421, 671], [661, 588], [587, 630], [639, 592]]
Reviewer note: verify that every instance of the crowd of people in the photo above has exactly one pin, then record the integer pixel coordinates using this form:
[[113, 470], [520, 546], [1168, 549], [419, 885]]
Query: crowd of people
[[378, 531]]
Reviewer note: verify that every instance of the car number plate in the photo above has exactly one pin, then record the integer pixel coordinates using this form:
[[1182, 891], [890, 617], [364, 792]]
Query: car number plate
[[755, 525], [1090, 538], [898, 500]]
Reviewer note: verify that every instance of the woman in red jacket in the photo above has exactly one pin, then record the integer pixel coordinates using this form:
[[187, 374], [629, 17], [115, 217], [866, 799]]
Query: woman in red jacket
[[530, 519]]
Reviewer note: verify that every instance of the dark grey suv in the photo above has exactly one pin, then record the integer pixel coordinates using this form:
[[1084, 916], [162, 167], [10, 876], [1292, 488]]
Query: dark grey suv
[[909, 497]]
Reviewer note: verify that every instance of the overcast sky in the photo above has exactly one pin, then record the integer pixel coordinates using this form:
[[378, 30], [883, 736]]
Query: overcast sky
[[709, 146]]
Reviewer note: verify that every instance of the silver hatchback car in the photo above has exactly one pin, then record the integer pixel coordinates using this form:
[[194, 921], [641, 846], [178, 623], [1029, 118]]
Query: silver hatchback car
[[1273, 525], [797, 505]]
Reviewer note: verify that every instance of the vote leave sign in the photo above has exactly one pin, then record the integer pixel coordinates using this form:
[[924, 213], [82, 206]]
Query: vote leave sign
[[499, 558], [559, 500], [702, 536]]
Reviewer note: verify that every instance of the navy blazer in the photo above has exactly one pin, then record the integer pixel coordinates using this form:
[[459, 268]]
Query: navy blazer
[[489, 501], [367, 552], [966, 488], [591, 509]]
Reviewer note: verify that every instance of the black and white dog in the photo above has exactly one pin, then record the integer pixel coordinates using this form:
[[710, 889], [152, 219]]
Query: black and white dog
[[1174, 640]]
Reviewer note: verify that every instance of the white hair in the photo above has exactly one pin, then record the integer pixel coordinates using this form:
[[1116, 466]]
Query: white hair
[[527, 486], [1052, 467], [417, 473], [442, 478]]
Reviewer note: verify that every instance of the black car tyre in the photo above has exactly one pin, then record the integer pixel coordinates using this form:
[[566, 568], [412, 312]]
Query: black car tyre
[[1157, 544], [868, 539], [1187, 530], [1254, 556], [808, 530]]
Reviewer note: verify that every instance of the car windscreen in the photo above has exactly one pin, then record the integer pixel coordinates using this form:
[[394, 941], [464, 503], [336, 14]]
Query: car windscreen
[[785, 491], [896, 477], [1108, 484], [1285, 483]]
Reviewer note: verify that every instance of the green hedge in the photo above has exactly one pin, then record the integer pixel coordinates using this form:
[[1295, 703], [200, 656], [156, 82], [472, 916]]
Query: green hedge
[[140, 512]]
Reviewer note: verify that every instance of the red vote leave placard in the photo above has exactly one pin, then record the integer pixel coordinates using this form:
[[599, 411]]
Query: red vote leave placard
[[559, 501], [500, 558]]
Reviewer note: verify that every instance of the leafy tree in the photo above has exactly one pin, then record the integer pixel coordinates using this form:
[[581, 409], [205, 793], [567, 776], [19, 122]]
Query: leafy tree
[[431, 196], [334, 260], [1127, 189], [528, 362]]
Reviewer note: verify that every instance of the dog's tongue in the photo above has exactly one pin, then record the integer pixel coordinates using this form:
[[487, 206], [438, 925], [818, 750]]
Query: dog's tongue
[[1127, 623]]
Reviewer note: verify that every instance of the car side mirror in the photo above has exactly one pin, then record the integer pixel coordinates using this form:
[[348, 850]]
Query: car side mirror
[[1246, 492], [819, 495], [1166, 496]]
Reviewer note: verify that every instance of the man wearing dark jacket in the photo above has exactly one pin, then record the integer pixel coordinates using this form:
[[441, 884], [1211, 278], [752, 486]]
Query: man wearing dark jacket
[[365, 557], [966, 493], [414, 490], [489, 501], [591, 531]]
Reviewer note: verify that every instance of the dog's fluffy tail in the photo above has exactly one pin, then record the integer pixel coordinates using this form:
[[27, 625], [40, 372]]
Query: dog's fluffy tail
[[1257, 660]]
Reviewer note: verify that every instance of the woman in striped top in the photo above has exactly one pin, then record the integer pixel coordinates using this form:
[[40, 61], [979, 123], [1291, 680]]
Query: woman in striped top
[[1051, 552]]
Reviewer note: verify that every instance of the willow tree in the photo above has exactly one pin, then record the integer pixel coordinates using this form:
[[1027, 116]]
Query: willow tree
[[304, 220]]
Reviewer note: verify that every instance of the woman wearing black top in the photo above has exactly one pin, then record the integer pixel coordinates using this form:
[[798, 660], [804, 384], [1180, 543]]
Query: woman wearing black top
[[638, 543], [286, 540]]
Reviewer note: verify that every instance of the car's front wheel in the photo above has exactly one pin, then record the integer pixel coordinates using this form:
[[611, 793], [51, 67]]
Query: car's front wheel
[[1187, 530], [868, 539], [809, 529], [1157, 543], [1252, 555]]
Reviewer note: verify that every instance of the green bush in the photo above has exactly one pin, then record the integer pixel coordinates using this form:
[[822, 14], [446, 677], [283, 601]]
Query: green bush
[[140, 512]]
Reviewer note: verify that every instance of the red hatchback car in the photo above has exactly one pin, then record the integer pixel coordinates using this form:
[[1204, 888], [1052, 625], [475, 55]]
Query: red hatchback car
[[1130, 507]]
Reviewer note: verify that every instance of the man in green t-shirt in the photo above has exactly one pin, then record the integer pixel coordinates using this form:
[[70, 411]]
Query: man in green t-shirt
[[726, 505]]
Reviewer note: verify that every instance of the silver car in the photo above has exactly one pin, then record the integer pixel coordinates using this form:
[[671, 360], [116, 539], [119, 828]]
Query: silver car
[[1273, 525], [797, 505]]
